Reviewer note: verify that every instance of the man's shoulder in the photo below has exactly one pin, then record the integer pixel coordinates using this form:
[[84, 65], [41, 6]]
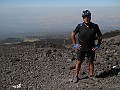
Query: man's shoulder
[[94, 24], [80, 24]]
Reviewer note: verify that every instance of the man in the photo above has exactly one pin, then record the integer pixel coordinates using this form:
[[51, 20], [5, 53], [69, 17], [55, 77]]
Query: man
[[86, 42]]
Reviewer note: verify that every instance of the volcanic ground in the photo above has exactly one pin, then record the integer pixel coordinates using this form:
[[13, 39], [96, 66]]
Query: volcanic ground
[[51, 66]]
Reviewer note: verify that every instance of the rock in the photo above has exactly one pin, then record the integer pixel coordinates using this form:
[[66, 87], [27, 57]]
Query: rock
[[114, 66], [48, 52], [73, 58], [59, 54], [119, 73], [99, 73], [69, 60], [72, 67], [17, 86]]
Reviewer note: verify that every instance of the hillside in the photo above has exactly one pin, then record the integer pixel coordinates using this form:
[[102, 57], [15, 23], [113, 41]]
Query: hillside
[[11, 40], [62, 37], [45, 65]]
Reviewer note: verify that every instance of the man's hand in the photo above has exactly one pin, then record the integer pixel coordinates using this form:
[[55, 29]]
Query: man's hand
[[96, 47], [77, 46]]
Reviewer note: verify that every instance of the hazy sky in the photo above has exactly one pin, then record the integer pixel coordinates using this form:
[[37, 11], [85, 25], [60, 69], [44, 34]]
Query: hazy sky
[[53, 3], [33, 16]]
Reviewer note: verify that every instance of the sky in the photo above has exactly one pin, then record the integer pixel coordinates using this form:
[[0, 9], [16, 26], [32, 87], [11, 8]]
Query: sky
[[18, 17], [56, 3]]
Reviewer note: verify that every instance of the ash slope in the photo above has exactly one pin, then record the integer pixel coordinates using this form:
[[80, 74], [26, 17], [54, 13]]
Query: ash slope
[[47, 66]]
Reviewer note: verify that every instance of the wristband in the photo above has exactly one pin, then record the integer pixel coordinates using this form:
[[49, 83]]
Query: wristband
[[97, 46], [76, 46]]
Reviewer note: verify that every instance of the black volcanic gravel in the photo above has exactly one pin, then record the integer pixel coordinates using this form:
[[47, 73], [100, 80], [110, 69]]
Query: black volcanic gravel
[[47, 66]]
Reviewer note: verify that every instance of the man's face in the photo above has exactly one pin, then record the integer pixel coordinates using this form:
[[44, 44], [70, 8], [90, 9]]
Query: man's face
[[86, 19]]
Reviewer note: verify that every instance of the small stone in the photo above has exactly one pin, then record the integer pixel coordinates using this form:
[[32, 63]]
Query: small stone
[[69, 60], [72, 67], [114, 66]]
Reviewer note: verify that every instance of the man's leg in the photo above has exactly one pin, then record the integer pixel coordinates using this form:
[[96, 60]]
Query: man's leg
[[92, 76], [91, 56], [80, 56], [91, 65], [78, 66]]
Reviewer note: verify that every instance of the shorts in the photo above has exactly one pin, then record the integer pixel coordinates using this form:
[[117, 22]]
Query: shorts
[[81, 55]]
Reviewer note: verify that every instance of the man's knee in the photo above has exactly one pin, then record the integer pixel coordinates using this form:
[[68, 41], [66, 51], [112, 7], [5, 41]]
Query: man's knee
[[79, 62], [91, 61]]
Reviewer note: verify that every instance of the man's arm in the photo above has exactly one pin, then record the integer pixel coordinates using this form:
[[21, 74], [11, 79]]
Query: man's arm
[[74, 33], [99, 39], [99, 35], [99, 43], [77, 46], [73, 38]]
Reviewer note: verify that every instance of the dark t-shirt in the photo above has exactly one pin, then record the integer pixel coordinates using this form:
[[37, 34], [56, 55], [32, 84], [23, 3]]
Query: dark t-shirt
[[87, 34]]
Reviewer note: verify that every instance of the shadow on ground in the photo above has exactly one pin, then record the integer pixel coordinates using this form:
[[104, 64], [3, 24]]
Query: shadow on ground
[[111, 73]]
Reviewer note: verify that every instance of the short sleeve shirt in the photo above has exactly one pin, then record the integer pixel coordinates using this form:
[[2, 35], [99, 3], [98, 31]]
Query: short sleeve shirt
[[87, 34]]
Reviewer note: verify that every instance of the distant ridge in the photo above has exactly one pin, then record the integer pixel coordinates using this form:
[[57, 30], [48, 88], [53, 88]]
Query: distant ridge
[[11, 40], [61, 37], [111, 34]]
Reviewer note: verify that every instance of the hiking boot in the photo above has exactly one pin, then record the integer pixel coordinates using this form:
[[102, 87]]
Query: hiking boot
[[92, 77], [76, 79]]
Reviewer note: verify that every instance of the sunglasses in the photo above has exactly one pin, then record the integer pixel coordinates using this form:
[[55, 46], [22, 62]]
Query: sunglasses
[[86, 17]]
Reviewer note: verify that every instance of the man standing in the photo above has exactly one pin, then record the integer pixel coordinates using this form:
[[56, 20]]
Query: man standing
[[86, 42]]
